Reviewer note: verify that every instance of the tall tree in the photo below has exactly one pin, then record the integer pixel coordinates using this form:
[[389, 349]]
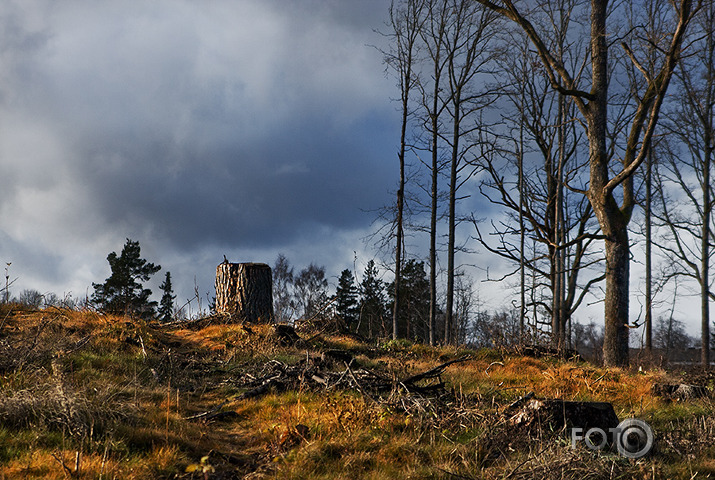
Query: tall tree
[[687, 170], [166, 305], [593, 96], [469, 32], [561, 223], [434, 105], [123, 292], [405, 19], [372, 304], [346, 302], [649, 254], [647, 12]]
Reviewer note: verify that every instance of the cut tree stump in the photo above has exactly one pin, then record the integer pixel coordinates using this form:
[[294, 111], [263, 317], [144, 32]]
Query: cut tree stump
[[286, 335], [680, 391], [558, 413], [244, 291]]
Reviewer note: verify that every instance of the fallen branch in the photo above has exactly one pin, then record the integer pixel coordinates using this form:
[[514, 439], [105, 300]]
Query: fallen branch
[[434, 372], [67, 470], [357, 384], [521, 400], [263, 388], [216, 412], [371, 384]]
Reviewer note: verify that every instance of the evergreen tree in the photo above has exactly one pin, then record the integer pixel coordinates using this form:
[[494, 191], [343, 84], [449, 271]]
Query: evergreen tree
[[122, 292], [347, 298], [414, 301], [372, 304], [166, 306]]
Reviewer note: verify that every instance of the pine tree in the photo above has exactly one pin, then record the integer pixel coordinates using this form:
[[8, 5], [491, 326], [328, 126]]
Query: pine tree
[[414, 301], [122, 292], [372, 303], [166, 306], [347, 298]]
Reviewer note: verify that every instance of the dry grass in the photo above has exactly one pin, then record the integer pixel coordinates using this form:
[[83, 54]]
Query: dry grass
[[84, 395]]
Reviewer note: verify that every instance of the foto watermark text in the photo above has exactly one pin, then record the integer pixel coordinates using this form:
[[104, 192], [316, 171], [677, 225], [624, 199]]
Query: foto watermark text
[[632, 437]]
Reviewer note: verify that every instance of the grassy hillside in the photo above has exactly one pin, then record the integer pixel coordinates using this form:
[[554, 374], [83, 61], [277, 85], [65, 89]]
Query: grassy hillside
[[84, 395]]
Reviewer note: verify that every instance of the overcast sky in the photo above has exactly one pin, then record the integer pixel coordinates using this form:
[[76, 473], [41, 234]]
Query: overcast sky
[[199, 128], [244, 128]]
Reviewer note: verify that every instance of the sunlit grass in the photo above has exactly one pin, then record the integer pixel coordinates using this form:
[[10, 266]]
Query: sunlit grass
[[112, 397]]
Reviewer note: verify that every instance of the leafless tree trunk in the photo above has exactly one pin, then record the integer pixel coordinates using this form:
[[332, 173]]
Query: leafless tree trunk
[[405, 19], [648, 256], [433, 38], [468, 35], [688, 169], [522, 235], [562, 222]]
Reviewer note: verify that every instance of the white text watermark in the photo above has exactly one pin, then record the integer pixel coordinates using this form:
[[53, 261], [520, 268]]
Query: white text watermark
[[632, 437]]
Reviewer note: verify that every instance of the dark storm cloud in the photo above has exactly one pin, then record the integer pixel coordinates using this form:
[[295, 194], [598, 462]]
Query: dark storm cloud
[[249, 124], [260, 194]]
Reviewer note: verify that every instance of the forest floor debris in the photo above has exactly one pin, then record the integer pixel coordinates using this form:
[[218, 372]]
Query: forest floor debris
[[88, 396]]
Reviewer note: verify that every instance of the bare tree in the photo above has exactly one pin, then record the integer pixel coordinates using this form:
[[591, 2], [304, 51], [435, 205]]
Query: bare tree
[[614, 156], [649, 254], [560, 222], [405, 21], [650, 13], [468, 39], [687, 171], [463, 306], [671, 337], [283, 299], [311, 290], [588, 340], [31, 298], [434, 104]]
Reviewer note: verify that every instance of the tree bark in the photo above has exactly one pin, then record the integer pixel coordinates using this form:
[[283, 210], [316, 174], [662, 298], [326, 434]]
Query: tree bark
[[452, 217], [705, 263], [648, 264], [707, 200], [615, 341], [245, 291]]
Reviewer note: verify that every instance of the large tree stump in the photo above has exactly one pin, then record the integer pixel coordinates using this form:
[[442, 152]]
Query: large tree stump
[[245, 291]]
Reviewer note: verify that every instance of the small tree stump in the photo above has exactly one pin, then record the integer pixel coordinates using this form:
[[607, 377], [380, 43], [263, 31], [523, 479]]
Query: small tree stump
[[558, 413], [245, 291], [680, 391], [286, 335]]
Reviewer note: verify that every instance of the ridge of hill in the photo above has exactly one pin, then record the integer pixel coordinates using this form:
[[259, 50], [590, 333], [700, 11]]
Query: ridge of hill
[[86, 395]]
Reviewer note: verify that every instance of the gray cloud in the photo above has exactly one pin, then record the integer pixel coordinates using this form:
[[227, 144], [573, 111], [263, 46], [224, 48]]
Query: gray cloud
[[243, 125]]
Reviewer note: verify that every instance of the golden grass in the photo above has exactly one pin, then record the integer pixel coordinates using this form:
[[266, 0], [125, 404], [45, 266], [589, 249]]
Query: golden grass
[[119, 392]]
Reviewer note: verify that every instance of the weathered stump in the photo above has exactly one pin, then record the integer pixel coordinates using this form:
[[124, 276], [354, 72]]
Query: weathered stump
[[286, 335], [680, 391], [557, 414], [245, 291]]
